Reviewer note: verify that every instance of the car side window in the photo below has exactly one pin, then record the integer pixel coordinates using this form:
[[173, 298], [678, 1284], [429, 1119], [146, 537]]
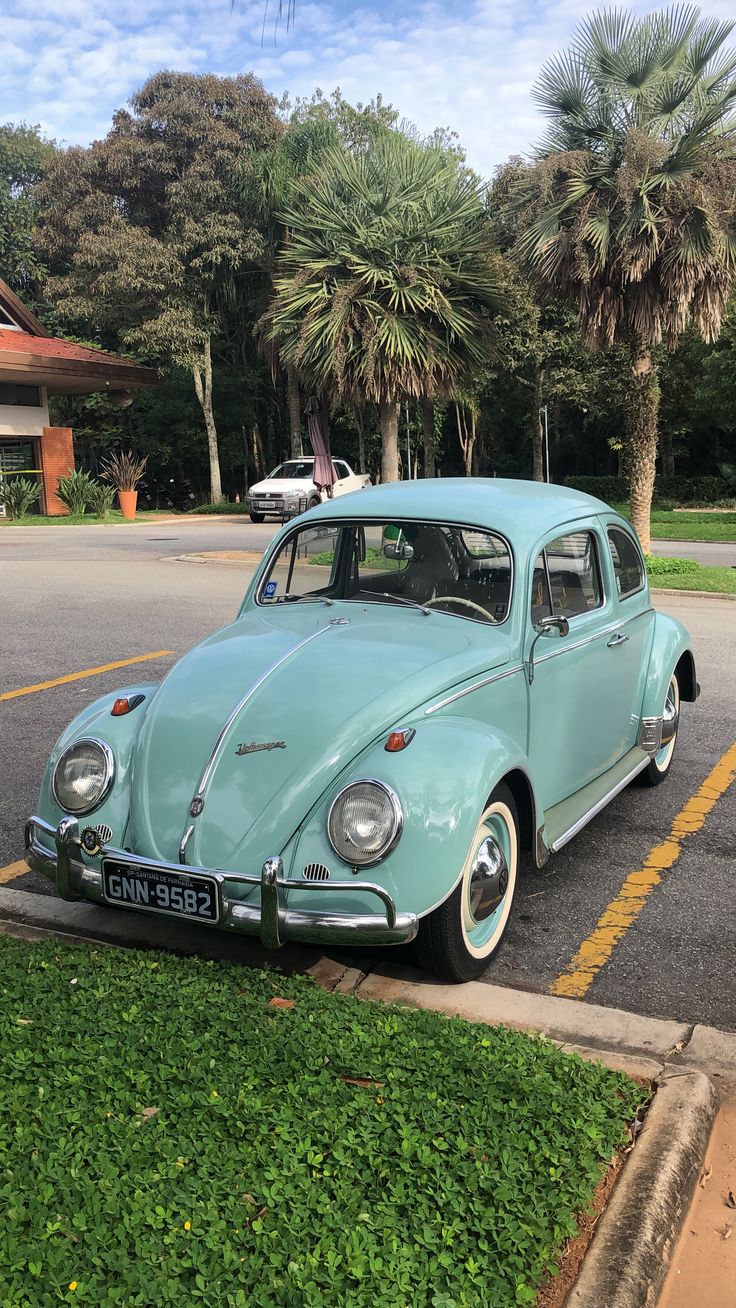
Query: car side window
[[567, 579], [341, 470], [627, 564]]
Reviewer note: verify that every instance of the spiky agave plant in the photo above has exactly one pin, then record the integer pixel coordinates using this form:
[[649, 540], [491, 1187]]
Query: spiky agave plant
[[383, 286], [123, 469], [631, 211]]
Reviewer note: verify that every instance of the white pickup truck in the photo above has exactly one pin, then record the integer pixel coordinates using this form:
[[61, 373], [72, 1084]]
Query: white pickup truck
[[290, 489]]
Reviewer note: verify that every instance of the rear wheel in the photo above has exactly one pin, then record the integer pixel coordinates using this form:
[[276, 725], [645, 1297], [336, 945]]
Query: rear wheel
[[257, 517], [657, 770], [458, 940]]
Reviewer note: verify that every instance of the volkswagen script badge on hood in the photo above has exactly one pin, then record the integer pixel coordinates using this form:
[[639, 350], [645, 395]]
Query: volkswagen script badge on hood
[[253, 748]]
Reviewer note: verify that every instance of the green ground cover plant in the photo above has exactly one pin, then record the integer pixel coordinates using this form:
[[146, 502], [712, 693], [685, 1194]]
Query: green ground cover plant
[[673, 524], [715, 580], [87, 520], [169, 1134]]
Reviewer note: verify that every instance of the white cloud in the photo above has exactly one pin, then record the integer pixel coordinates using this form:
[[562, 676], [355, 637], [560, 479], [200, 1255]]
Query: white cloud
[[465, 64]]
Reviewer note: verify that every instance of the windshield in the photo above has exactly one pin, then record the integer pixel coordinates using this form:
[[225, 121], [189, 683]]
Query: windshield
[[298, 470], [459, 570]]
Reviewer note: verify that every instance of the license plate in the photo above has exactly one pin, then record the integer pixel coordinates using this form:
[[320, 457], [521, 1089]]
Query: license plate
[[158, 891], [267, 504]]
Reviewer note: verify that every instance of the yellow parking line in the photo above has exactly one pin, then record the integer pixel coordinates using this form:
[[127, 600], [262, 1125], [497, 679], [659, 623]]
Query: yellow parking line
[[622, 911], [12, 871], [88, 672]]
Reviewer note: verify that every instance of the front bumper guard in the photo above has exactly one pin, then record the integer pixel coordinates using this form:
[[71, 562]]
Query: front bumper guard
[[271, 919]]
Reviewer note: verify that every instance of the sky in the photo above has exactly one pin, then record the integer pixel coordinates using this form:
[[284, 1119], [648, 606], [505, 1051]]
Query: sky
[[464, 64]]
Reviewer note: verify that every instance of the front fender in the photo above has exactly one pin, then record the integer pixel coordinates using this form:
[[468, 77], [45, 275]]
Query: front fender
[[119, 734], [443, 779], [670, 647]]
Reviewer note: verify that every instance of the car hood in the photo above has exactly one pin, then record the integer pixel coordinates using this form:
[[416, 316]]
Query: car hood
[[279, 485], [312, 685]]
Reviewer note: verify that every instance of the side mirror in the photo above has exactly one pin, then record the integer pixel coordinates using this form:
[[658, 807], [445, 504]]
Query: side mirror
[[552, 624], [542, 628]]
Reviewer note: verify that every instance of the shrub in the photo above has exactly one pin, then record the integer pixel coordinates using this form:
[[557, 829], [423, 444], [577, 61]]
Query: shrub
[[17, 494], [75, 490], [123, 469], [243, 507], [678, 490], [657, 566], [102, 499]]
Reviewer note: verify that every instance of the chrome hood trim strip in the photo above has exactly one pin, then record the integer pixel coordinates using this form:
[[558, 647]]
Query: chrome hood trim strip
[[197, 800]]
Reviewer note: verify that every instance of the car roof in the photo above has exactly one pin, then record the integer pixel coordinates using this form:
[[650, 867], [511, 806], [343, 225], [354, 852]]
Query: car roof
[[521, 510]]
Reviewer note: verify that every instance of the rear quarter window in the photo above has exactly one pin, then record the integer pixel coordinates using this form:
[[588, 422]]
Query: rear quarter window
[[628, 567]]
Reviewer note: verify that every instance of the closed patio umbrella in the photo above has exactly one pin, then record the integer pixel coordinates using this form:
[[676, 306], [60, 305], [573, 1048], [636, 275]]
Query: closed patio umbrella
[[324, 475]]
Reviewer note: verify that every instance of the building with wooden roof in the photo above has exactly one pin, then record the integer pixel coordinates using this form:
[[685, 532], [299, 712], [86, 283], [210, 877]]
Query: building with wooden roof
[[33, 366]]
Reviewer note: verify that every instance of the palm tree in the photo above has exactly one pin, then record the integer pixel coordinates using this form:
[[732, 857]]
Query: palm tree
[[383, 286], [631, 215]]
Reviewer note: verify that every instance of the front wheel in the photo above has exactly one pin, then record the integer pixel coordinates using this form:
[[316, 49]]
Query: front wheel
[[458, 940], [257, 517], [657, 770]]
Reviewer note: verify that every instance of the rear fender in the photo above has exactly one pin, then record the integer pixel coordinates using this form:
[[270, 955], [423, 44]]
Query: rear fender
[[443, 779], [670, 651]]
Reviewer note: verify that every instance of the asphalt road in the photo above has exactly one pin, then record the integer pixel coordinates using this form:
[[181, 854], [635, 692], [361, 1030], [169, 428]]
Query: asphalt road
[[76, 598], [716, 554]]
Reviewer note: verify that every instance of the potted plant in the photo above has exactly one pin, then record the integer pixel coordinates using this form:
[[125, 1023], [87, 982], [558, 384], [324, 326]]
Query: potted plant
[[124, 470]]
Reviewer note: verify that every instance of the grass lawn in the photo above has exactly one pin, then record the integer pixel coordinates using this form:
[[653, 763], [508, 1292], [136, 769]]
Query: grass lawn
[[85, 519], [169, 1135], [686, 524], [703, 578]]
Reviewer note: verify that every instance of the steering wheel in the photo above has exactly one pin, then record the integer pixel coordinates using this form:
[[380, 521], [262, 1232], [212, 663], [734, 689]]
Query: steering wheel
[[461, 600]]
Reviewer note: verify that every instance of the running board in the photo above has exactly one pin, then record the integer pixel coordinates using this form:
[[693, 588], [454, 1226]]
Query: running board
[[564, 821]]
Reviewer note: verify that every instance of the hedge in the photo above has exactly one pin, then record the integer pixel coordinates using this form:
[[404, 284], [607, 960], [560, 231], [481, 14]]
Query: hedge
[[681, 490]]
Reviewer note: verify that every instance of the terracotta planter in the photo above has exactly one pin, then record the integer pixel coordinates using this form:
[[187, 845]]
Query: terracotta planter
[[127, 501]]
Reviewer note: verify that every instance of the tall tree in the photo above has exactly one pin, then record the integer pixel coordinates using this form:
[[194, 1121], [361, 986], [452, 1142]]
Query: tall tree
[[383, 287], [631, 215], [149, 228], [24, 153]]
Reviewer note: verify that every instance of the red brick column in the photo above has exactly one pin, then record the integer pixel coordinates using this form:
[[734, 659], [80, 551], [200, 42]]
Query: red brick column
[[57, 458]]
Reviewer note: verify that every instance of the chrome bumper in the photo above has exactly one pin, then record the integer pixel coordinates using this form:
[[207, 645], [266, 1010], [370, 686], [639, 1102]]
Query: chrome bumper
[[271, 920]]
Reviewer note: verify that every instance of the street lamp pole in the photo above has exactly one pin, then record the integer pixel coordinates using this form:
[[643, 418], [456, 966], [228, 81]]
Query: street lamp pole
[[543, 410]]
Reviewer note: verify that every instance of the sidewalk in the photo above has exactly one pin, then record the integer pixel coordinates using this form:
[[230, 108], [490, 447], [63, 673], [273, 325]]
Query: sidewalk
[[703, 1267]]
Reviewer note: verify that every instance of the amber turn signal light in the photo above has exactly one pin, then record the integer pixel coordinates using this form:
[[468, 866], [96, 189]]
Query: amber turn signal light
[[125, 705], [399, 740]]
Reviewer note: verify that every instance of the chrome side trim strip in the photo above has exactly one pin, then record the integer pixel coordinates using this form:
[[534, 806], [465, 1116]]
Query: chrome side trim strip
[[566, 646], [209, 767], [477, 685], [601, 804]]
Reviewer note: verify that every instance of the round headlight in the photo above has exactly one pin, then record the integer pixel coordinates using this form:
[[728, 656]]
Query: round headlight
[[83, 775], [364, 822]]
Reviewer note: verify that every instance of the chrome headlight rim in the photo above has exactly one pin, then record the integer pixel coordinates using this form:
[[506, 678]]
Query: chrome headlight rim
[[109, 775], [397, 824]]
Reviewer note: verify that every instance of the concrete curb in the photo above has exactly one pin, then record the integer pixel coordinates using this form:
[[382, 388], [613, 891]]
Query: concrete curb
[[693, 594], [628, 1259]]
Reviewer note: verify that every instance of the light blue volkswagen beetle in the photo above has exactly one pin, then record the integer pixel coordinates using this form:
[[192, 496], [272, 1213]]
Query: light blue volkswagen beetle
[[424, 680]]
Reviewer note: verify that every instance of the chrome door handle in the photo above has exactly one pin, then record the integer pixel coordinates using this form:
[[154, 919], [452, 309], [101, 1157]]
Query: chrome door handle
[[618, 639]]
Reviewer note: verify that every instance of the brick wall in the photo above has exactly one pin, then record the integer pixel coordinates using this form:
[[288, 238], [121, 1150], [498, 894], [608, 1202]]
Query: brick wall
[[57, 457]]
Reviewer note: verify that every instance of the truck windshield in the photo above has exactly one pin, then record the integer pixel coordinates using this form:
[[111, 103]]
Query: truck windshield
[[297, 471]]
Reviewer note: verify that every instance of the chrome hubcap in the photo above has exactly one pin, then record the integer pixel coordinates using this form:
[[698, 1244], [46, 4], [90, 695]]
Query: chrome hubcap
[[489, 879]]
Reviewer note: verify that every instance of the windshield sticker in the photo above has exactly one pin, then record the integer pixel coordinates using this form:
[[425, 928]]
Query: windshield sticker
[[269, 590]]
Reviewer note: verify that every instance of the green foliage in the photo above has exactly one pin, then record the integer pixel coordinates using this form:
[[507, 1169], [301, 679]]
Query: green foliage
[[169, 1137], [17, 494], [101, 499], [222, 507], [76, 490], [718, 581], [678, 490], [382, 288], [656, 565], [24, 153], [123, 469]]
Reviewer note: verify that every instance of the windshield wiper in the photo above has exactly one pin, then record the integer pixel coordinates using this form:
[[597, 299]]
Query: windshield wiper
[[402, 599]]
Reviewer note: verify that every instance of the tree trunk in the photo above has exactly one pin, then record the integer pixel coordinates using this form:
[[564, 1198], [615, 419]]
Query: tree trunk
[[428, 437], [389, 440], [359, 422], [536, 427], [642, 412], [466, 436], [258, 461], [203, 389], [295, 413]]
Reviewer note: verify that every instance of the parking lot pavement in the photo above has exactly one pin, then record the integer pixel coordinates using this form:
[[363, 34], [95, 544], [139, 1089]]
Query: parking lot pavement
[[69, 608]]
